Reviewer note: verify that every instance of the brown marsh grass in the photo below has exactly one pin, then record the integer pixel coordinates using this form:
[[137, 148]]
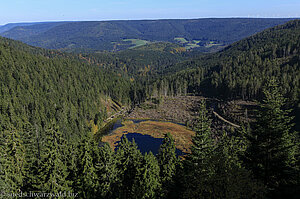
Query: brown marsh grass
[[156, 129]]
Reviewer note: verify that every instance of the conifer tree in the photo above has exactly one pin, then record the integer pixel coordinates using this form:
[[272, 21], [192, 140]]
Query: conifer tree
[[107, 172], [53, 171], [198, 167], [87, 174], [148, 185], [273, 145], [129, 160], [72, 164], [31, 139], [12, 162], [231, 179], [167, 161]]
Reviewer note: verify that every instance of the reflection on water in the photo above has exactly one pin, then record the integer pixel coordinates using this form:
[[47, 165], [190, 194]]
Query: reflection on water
[[147, 143]]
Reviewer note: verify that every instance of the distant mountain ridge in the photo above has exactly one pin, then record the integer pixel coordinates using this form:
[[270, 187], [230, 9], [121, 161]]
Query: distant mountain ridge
[[118, 35]]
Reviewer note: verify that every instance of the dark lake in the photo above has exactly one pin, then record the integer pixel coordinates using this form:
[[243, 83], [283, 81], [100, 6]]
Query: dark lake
[[145, 143]]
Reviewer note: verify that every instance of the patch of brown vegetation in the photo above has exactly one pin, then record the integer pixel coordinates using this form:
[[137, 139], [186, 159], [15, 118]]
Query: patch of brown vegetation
[[184, 109], [178, 109], [156, 129]]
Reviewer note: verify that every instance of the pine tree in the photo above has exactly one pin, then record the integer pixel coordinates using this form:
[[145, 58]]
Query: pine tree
[[107, 172], [87, 174], [203, 143], [148, 183], [72, 158], [198, 167], [12, 162], [53, 171], [167, 161], [231, 179], [273, 146], [31, 140], [129, 160]]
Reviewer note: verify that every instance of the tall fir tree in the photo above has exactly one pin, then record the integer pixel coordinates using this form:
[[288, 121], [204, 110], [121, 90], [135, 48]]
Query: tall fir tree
[[198, 168], [148, 184], [53, 171], [167, 161], [31, 139], [129, 160], [87, 175], [273, 144], [13, 163], [231, 179], [107, 172]]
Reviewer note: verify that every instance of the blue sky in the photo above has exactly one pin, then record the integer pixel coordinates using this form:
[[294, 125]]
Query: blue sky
[[83, 10]]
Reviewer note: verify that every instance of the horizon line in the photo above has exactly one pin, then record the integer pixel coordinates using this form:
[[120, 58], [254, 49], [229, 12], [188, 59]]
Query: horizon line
[[151, 19]]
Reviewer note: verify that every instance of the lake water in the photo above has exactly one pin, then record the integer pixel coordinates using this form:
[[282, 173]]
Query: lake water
[[145, 143]]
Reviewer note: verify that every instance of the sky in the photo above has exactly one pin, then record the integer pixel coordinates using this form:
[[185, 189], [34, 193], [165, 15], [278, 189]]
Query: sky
[[12, 11]]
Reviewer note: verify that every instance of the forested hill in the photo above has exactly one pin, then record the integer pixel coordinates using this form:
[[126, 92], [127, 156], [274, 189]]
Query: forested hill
[[39, 92], [116, 35], [240, 70], [143, 61], [9, 26]]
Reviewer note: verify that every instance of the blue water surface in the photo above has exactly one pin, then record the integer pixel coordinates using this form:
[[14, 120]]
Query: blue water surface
[[147, 143]]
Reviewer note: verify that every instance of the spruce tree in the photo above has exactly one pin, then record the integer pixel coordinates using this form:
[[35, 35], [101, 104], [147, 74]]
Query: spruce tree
[[87, 179], [198, 167], [231, 179], [72, 158], [167, 161], [53, 171], [107, 172], [13, 162], [273, 144], [129, 160], [148, 185], [31, 139]]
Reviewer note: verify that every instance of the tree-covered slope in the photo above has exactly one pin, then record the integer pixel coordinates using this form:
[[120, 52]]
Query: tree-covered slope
[[37, 90], [147, 60], [240, 70], [112, 35]]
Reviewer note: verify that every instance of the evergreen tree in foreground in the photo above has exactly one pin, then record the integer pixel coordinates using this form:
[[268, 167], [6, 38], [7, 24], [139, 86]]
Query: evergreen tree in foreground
[[129, 160], [231, 179], [198, 167], [53, 170], [87, 179], [107, 172], [12, 162], [273, 146], [167, 161], [148, 184]]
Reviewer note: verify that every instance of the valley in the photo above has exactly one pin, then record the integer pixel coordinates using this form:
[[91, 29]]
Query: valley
[[175, 115], [222, 92], [94, 36]]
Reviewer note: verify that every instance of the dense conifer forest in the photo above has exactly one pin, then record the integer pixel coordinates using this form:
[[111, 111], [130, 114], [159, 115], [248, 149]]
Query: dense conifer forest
[[53, 104]]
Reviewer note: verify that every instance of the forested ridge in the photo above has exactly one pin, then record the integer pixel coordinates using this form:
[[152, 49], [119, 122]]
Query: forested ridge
[[52, 104], [103, 35]]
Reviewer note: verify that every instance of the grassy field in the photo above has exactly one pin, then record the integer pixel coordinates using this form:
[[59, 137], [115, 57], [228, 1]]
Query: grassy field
[[136, 42], [156, 129], [191, 45], [196, 41], [181, 40]]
